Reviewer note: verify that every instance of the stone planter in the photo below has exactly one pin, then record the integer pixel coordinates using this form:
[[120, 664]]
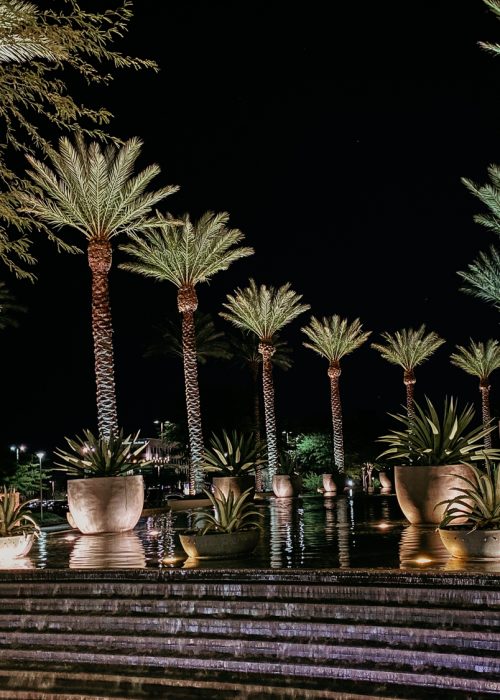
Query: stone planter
[[236, 484], [106, 504], [480, 545], [15, 546], [420, 488], [286, 486], [329, 485], [220, 545], [385, 482]]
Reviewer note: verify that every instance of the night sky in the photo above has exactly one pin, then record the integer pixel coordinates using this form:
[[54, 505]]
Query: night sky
[[337, 144]]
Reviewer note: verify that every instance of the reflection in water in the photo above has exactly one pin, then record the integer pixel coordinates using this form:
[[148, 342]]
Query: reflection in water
[[489, 567], [108, 551], [287, 533], [330, 504], [420, 547], [344, 515]]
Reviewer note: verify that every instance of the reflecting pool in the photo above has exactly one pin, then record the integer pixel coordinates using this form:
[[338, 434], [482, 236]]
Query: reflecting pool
[[311, 532]]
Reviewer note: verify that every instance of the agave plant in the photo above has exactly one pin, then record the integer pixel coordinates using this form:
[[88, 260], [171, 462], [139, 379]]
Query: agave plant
[[433, 440], [14, 520], [231, 514], [478, 503], [92, 456], [233, 454]]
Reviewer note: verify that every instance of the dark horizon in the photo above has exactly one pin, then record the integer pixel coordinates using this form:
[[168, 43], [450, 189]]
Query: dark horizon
[[337, 147]]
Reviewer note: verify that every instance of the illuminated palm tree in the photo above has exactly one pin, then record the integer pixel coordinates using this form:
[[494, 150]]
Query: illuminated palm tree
[[408, 348], [187, 255], [94, 192], [480, 360], [334, 338], [264, 311], [246, 353]]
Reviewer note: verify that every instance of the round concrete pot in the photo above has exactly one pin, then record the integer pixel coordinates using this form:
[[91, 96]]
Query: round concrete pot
[[385, 482], [420, 488], [106, 504], [15, 546], [286, 486], [480, 545], [220, 545], [236, 484]]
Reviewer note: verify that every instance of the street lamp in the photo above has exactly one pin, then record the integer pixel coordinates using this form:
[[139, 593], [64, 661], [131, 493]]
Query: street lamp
[[160, 424], [40, 456], [17, 449]]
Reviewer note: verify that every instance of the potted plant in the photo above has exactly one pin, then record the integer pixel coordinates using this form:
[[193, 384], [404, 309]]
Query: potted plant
[[287, 482], [470, 527], [233, 458], [431, 451], [107, 497], [17, 527], [232, 531]]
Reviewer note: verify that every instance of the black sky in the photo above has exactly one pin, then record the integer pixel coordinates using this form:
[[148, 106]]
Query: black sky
[[335, 134]]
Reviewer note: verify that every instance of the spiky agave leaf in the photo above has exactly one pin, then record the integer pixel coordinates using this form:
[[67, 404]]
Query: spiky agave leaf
[[434, 440], [15, 520], [92, 456], [231, 514], [233, 454], [477, 505]]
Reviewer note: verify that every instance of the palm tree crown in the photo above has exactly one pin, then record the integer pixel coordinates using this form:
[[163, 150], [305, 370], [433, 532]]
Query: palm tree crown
[[93, 191], [482, 277], [408, 348], [263, 310], [188, 254], [334, 337], [479, 359]]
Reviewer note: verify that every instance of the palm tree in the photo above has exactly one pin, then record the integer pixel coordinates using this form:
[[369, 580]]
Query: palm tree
[[246, 353], [94, 192], [480, 360], [264, 311], [334, 338], [187, 255], [408, 348], [482, 278]]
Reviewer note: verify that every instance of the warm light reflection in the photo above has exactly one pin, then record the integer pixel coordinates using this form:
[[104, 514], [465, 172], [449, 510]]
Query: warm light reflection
[[383, 526], [155, 533], [423, 560], [172, 559], [70, 538]]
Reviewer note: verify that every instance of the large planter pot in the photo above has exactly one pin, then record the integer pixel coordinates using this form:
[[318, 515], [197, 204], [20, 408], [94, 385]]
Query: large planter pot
[[385, 482], [286, 486], [420, 488], [106, 504], [329, 485], [220, 545], [15, 546], [480, 545], [236, 484]]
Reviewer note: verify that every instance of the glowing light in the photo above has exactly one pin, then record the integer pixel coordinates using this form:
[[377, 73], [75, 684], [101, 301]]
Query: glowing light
[[70, 538], [383, 526], [172, 559], [423, 560], [153, 532]]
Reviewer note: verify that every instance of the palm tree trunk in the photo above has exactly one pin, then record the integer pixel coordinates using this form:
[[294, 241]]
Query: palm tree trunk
[[187, 303], [338, 436], [484, 388], [409, 380], [267, 352], [256, 420], [99, 259]]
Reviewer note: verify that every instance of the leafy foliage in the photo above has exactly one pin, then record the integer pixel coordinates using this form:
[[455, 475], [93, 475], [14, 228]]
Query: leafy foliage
[[482, 277], [233, 454], [288, 463], [312, 481], [433, 440], [478, 501], [245, 349], [479, 359], [15, 520], [314, 451], [408, 348], [334, 337], [231, 514], [92, 456]]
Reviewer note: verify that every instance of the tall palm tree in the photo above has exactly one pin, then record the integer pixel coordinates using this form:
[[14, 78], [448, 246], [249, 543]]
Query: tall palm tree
[[94, 192], [408, 348], [265, 311], [187, 255], [480, 360], [246, 353], [334, 338]]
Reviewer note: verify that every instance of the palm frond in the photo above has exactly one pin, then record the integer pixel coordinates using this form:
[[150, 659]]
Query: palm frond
[[482, 277], [334, 337], [408, 348], [479, 359]]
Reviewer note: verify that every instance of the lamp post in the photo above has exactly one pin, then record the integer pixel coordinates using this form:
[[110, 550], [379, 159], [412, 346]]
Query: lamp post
[[160, 424], [40, 456], [17, 449]]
